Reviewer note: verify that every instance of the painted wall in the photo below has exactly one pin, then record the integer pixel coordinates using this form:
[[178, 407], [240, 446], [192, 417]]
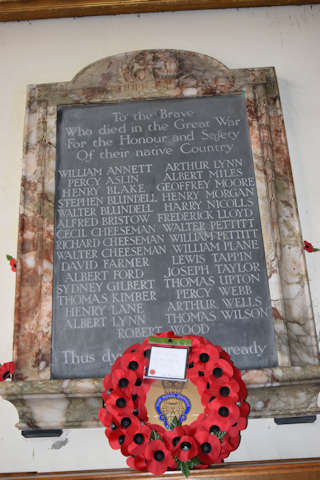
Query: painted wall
[[54, 51]]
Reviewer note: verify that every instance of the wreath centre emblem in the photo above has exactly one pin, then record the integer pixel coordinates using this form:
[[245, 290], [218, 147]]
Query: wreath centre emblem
[[167, 409]]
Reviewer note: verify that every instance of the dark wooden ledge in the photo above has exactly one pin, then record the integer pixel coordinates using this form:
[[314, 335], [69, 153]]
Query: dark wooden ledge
[[35, 9], [295, 469]]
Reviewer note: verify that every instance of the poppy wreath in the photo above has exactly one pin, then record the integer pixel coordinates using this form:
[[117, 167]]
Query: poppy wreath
[[150, 447]]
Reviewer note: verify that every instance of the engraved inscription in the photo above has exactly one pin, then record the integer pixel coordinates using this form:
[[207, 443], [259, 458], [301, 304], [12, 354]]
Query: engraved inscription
[[157, 228]]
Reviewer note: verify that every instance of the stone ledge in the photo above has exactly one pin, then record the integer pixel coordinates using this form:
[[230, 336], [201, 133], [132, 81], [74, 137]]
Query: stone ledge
[[51, 404]]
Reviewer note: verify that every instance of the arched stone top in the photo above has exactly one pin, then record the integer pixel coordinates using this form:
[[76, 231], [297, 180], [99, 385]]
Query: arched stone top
[[177, 69]]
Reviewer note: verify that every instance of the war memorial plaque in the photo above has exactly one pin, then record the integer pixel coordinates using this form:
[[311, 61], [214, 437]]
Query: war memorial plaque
[[157, 228], [157, 194]]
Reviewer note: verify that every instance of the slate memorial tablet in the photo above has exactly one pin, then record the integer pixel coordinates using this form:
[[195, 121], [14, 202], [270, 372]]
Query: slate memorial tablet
[[157, 228], [156, 195]]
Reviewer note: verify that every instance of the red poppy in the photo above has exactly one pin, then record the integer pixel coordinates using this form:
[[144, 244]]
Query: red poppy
[[137, 463], [105, 397], [113, 425], [7, 370], [209, 394], [116, 438], [146, 353], [134, 348], [219, 423], [199, 371], [308, 246], [118, 404], [128, 423], [196, 424], [232, 441], [211, 422], [117, 363], [133, 362], [226, 448], [139, 409], [140, 350], [199, 376], [209, 446], [128, 427], [226, 388], [120, 438], [139, 438], [123, 380], [244, 409], [141, 387], [202, 384], [13, 265], [223, 354], [173, 464], [241, 424], [187, 448], [173, 437], [108, 384], [158, 457], [137, 397], [222, 370], [224, 408], [105, 417], [204, 356], [125, 445]]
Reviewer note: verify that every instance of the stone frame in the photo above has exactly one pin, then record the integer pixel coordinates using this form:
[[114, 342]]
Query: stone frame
[[291, 389]]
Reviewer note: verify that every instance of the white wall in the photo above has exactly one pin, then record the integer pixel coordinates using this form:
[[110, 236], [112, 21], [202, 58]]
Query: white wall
[[54, 51]]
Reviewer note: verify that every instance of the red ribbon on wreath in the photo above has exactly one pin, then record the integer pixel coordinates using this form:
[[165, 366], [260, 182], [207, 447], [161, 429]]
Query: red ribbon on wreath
[[150, 447]]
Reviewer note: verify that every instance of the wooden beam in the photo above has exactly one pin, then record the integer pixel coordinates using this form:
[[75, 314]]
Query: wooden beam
[[36, 9], [294, 469]]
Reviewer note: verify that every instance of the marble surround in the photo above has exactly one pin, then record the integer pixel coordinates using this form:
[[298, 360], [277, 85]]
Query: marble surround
[[289, 389]]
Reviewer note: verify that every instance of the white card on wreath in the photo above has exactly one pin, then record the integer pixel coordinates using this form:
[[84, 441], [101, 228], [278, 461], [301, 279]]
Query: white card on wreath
[[168, 363]]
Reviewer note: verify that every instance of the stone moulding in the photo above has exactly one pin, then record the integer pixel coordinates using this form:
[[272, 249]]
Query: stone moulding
[[51, 404], [292, 388]]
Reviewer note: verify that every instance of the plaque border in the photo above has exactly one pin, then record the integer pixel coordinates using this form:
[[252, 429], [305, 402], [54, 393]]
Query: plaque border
[[289, 389]]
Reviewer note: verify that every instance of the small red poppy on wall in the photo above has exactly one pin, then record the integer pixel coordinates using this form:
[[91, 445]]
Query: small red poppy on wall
[[309, 247], [7, 370], [13, 263]]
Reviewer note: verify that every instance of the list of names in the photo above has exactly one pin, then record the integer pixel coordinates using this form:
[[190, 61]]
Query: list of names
[[157, 228]]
